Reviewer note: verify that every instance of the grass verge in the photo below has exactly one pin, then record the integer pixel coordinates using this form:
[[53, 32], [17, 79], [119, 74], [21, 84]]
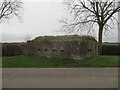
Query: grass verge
[[43, 62]]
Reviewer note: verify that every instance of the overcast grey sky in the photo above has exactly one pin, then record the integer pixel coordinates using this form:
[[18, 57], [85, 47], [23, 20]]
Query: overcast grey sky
[[39, 19]]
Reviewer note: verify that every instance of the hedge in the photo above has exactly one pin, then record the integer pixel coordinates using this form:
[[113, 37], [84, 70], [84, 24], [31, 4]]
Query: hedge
[[13, 49], [113, 49]]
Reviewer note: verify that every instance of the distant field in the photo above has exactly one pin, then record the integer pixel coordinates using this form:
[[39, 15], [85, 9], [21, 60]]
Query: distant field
[[43, 62]]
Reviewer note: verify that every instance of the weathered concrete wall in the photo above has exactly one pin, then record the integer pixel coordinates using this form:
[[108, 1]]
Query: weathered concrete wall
[[75, 49]]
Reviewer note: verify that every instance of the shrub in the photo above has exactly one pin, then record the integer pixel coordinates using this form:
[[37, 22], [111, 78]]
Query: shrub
[[111, 49], [10, 49]]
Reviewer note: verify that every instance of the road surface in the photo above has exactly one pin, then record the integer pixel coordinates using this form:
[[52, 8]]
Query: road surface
[[60, 77]]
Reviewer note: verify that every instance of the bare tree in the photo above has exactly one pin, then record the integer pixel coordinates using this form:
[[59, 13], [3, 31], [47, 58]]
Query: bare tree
[[9, 9], [90, 13], [28, 38]]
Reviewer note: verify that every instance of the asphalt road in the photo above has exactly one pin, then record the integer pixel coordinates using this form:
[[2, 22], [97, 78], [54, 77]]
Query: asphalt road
[[60, 77]]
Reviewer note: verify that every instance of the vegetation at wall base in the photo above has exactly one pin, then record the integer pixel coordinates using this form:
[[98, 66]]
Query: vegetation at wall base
[[44, 62]]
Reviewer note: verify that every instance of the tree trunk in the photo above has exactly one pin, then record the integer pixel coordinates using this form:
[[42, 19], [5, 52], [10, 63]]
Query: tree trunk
[[100, 40]]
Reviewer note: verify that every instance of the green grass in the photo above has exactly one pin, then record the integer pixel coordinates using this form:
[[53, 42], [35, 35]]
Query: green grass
[[63, 37], [37, 61]]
